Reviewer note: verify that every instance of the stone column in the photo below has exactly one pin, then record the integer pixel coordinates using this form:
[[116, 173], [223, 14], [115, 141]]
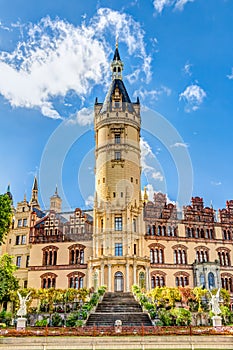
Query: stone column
[[102, 274], [127, 276], [147, 278], [134, 273], [110, 277], [89, 276]]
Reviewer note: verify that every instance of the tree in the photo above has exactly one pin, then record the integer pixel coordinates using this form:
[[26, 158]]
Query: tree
[[200, 295], [5, 216], [182, 316], [8, 282]]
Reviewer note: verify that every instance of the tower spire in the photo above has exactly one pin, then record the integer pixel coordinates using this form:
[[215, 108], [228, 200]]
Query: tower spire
[[34, 197], [8, 192], [117, 64]]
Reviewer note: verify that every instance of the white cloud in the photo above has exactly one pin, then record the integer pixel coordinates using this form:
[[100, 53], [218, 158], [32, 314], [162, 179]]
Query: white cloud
[[193, 97], [89, 202], [152, 94], [147, 156], [83, 117], [157, 176], [159, 5], [180, 4], [230, 76], [180, 144], [216, 183], [187, 68], [56, 57]]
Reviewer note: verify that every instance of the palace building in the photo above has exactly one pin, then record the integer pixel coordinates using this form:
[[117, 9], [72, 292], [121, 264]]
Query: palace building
[[125, 239]]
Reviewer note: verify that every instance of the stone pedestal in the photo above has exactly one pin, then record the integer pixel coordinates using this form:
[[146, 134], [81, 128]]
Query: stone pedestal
[[217, 321], [21, 323]]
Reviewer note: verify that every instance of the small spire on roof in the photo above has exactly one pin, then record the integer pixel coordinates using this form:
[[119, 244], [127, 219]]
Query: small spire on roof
[[35, 184], [145, 198], [117, 41]]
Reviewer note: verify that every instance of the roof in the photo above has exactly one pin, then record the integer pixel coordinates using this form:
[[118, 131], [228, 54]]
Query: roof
[[116, 55], [125, 97]]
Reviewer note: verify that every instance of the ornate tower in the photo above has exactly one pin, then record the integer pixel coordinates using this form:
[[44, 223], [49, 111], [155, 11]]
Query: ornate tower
[[34, 197], [118, 231], [55, 202]]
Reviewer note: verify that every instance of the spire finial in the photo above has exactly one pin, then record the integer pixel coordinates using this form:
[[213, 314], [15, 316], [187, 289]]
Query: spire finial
[[117, 41], [145, 197]]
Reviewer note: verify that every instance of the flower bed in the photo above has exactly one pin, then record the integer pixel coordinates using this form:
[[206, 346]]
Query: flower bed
[[110, 331]]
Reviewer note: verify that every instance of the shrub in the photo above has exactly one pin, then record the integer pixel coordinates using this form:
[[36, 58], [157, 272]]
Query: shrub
[[79, 323], [41, 323], [5, 317], [183, 317], [72, 319], [101, 290], [57, 320], [165, 317]]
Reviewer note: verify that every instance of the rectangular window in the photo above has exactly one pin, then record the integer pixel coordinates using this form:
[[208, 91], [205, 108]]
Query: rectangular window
[[118, 155], [134, 225], [25, 284], [114, 194], [117, 104], [118, 223], [135, 249], [18, 261], [27, 260], [20, 223], [118, 249], [17, 242], [23, 239], [131, 179], [24, 222], [117, 138]]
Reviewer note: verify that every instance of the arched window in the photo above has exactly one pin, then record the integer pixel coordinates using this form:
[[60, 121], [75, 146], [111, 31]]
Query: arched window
[[159, 230], [48, 280], [49, 256], [153, 230], [224, 256], [211, 280], [180, 254], [75, 280], [202, 254], [227, 281], [156, 254], [148, 230], [202, 280], [181, 279], [76, 255], [142, 281], [157, 279]]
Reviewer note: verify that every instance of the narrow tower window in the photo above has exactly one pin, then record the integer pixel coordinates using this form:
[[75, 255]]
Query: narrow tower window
[[118, 223], [117, 138], [118, 155]]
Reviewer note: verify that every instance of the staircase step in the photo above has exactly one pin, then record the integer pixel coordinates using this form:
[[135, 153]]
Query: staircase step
[[118, 306]]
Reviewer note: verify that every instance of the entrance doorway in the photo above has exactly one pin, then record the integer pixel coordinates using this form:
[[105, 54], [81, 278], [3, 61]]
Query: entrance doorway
[[118, 282]]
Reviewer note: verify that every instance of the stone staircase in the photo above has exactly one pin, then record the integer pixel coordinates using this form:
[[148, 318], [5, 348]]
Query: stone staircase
[[118, 306]]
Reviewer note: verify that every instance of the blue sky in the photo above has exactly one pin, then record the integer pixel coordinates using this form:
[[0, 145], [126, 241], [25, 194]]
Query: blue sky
[[54, 61]]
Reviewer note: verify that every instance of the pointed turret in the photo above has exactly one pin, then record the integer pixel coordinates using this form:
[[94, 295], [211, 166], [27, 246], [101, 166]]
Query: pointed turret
[[34, 198], [55, 202], [145, 197], [8, 192], [117, 65], [117, 97]]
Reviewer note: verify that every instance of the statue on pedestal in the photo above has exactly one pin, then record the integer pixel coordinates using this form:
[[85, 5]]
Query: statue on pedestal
[[23, 306], [217, 320], [215, 303]]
